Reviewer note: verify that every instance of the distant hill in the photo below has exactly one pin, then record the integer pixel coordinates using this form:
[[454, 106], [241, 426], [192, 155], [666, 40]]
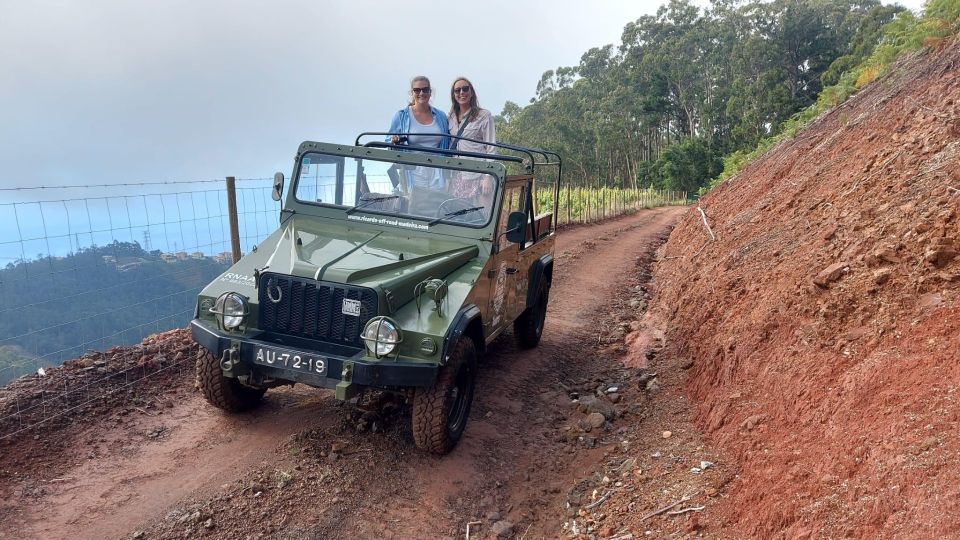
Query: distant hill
[[15, 362], [57, 308]]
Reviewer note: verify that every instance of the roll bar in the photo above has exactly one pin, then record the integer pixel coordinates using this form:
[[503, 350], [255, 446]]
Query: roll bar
[[513, 147], [549, 158]]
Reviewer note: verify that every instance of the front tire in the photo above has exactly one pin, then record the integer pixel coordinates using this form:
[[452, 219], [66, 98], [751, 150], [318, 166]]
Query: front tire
[[528, 328], [224, 392], [440, 412]]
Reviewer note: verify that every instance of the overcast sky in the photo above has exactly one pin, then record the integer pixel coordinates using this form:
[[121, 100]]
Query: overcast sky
[[100, 91]]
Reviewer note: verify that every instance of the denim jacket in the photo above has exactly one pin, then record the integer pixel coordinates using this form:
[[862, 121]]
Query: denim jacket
[[401, 124]]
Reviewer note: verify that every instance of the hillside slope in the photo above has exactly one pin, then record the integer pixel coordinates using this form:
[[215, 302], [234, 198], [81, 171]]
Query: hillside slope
[[823, 321]]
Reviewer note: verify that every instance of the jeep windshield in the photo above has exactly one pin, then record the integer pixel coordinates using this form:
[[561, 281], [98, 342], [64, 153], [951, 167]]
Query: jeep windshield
[[364, 186]]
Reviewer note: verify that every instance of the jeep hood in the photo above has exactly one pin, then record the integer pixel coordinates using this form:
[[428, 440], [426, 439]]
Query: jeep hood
[[389, 261]]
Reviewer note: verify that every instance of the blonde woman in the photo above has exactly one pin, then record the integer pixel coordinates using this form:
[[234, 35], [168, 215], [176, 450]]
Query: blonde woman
[[420, 123]]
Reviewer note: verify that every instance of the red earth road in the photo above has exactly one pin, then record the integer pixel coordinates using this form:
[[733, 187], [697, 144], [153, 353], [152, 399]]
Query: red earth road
[[160, 473]]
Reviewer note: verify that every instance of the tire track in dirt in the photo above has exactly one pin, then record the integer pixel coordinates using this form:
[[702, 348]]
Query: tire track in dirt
[[197, 447], [197, 461], [504, 464]]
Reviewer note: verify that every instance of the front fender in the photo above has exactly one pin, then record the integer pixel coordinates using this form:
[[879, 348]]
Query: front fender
[[467, 321]]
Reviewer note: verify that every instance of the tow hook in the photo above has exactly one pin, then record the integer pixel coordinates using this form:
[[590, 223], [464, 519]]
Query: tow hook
[[345, 389], [229, 358]]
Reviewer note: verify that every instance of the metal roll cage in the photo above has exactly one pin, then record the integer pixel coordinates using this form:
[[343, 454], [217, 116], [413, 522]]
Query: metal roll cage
[[547, 155], [550, 159]]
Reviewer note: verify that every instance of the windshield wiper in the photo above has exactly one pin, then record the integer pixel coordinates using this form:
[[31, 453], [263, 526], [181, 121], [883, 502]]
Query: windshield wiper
[[368, 202], [456, 213]]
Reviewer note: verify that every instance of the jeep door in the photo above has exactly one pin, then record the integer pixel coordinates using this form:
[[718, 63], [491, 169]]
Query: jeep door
[[507, 271]]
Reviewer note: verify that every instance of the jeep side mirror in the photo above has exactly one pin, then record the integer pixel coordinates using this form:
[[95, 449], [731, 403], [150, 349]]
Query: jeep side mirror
[[516, 227], [277, 186]]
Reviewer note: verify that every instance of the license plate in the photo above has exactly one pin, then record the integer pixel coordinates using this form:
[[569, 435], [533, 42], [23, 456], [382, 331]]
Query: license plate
[[351, 307], [269, 356]]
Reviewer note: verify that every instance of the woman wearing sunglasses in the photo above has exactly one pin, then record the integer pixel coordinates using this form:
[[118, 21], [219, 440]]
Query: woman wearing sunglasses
[[422, 124], [467, 119]]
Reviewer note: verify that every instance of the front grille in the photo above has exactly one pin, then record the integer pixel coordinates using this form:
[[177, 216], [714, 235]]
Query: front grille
[[313, 309]]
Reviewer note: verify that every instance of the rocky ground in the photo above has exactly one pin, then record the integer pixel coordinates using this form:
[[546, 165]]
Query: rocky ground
[[579, 437], [784, 366], [823, 320]]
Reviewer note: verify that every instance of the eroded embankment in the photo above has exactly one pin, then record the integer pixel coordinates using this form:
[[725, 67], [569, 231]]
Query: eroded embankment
[[823, 320]]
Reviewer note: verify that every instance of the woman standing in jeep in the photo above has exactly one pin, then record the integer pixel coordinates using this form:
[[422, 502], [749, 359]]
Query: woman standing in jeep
[[467, 119], [422, 123]]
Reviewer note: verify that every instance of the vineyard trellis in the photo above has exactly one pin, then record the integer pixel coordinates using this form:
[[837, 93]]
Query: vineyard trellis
[[580, 204]]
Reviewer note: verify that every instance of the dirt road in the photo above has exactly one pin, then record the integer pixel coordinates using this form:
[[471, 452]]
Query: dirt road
[[304, 466]]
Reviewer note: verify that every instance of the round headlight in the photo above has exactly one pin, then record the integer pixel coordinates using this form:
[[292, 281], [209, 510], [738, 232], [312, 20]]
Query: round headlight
[[231, 309], [381, 336]]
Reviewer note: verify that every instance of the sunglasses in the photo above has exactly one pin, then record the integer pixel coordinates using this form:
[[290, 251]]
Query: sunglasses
[[462, 90], [419, 91]]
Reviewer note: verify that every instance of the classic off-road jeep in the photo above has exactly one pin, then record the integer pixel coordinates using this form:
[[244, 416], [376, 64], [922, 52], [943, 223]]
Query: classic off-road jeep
[[392, 269]]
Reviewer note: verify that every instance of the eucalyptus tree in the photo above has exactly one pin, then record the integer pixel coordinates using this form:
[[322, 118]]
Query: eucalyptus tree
[[688, 85]]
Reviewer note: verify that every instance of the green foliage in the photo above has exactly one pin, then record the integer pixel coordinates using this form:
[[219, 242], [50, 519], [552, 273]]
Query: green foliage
[[684, 165], [15, 362], [57, 308], [904, 33], [688, 85], [584, 204]]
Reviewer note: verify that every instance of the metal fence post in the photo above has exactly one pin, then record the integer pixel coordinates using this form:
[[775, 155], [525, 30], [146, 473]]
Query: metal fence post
[[232, 211]]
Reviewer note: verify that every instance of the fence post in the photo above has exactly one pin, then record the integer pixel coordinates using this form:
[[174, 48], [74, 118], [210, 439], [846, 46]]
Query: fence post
[[585, 213], [232, 211]]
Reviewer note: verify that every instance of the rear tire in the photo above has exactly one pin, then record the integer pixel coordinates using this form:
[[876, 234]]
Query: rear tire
[[440, 412], [528, 328], [224, 392]]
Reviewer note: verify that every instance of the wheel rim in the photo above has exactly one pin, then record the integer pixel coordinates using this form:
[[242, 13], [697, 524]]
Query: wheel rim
[[459, 397]]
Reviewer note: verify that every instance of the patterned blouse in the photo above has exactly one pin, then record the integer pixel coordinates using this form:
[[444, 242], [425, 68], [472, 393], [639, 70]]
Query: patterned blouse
[[480, 128], [467, 185]]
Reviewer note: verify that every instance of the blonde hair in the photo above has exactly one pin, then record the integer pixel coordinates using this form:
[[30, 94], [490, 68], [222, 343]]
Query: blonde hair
[[416, 79]]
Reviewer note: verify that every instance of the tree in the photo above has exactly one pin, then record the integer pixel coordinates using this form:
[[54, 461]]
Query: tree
[[710, 82]]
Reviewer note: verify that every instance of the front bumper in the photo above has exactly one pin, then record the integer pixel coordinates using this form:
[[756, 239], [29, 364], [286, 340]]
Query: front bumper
[[340, 369]]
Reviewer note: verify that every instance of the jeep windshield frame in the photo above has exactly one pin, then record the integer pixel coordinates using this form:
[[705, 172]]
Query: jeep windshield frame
[[529, 162], [355, 181]]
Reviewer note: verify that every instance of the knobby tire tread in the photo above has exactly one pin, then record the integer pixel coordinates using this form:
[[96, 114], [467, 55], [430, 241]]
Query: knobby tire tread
[[223, 392], [431, 409]]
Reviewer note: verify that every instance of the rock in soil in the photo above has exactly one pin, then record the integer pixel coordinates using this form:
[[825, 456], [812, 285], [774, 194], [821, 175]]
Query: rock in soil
[[501, 529], [591, 404]]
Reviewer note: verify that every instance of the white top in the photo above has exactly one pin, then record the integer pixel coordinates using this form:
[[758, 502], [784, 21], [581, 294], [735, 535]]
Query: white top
[[424, 134], [480, 128]]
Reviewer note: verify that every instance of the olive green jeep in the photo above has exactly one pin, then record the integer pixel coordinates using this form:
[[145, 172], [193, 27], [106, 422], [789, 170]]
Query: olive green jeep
[[392, 269]]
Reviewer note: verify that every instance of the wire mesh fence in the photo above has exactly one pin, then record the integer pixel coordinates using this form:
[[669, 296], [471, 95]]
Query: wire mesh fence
[[87, 273], [84, 274], [48, 399]]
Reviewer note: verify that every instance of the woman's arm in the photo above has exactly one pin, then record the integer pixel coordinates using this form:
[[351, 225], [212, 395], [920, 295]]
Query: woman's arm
[[395, 127]]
